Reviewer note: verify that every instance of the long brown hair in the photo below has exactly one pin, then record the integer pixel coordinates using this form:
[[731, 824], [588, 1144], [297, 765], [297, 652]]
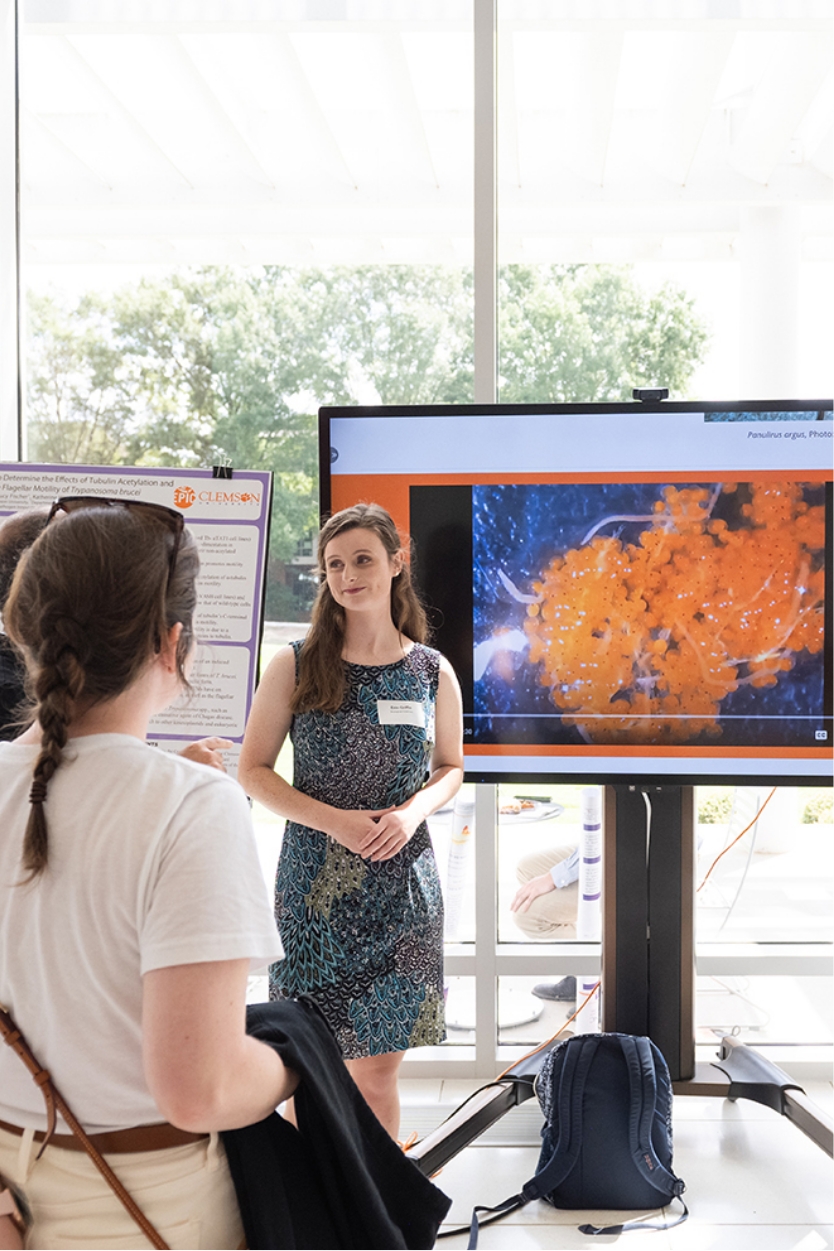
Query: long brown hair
[[89, 606], [16, 534], [321, 671]]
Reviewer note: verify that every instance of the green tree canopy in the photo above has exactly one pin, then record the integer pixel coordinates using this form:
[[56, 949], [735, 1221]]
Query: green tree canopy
[[575, 333], [78, 409], [217, 362]]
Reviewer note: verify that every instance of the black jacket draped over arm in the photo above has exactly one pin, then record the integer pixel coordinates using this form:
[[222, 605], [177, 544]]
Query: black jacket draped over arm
[[338, 1180]]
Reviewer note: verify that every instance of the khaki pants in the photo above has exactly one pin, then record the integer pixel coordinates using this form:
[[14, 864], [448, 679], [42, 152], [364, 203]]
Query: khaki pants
[[186, 1192], [553, 915]]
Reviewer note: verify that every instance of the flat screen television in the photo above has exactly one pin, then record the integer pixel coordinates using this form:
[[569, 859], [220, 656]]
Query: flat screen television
[[628, 592]]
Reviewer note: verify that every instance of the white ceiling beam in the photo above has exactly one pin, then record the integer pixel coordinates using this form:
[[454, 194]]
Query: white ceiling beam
[[316, 217], [225, 123], [780, 101], [595, 111], [699, 67], [541, 206], [41, 16], [28, 118], [131, 121], [814, 131], [299, 249], [401, 86], [302, 91]]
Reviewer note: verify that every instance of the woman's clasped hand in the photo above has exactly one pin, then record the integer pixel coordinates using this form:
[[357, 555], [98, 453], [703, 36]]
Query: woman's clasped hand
[[379, 835]]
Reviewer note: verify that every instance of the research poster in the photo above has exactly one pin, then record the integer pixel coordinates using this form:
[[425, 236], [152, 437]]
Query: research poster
[[229, 519]]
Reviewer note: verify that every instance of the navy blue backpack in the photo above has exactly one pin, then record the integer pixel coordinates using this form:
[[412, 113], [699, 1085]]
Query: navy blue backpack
[[607, 1135]]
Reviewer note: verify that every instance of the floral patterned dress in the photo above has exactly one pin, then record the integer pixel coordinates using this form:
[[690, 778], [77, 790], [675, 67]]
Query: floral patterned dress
[[365, 940]]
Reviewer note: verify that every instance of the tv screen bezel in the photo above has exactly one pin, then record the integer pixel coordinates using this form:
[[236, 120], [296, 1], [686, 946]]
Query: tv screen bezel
[[597, 774]]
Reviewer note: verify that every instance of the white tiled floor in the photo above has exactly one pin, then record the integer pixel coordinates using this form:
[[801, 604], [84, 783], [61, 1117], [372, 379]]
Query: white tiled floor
[[753, 1181]]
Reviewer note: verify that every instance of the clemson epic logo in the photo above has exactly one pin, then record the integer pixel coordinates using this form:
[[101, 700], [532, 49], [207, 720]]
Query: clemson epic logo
[[184, 497]]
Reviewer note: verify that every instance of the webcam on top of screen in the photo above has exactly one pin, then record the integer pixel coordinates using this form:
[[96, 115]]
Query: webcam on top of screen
[[650, 395]]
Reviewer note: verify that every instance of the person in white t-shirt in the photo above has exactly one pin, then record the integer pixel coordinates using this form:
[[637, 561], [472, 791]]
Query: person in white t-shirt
[[132, 904]]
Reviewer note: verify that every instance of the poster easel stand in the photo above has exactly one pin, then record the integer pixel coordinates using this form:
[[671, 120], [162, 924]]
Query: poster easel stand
[[648, 977]]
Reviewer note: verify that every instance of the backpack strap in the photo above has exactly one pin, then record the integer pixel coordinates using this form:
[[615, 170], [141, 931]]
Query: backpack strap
[[628, 1226], [575, 1065], [641, 1074], [493, 1214]]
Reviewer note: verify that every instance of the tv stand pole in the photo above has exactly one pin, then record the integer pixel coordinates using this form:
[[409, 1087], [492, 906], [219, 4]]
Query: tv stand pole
[[648, 922]]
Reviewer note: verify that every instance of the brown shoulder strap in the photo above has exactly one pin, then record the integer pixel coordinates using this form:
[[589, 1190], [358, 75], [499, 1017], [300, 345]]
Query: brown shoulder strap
[[55, 1102], [13, 1038]]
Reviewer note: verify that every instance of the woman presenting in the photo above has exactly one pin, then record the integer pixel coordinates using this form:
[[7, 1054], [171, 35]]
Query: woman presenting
[[376, 724]]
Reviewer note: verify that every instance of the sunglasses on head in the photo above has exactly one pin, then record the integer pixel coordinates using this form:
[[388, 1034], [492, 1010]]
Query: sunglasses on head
[[174, 520]]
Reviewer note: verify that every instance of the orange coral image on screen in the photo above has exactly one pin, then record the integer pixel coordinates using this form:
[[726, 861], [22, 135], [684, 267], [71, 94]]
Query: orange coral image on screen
[[641, 642]]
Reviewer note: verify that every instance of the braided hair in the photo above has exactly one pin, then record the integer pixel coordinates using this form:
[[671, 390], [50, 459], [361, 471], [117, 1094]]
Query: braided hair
[[89, 606]]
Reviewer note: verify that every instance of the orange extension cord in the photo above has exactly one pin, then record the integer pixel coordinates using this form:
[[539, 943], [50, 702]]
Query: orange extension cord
[[737, 837]]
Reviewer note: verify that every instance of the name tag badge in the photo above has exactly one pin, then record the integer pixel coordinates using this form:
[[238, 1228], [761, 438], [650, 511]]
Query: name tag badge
[[401, 712]]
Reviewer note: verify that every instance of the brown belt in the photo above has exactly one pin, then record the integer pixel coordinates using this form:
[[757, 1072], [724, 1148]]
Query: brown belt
[[118, 1141]]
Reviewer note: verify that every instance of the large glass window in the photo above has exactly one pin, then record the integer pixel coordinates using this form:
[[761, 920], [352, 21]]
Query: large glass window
[[232, 213], [674, 161], [231, 217]]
